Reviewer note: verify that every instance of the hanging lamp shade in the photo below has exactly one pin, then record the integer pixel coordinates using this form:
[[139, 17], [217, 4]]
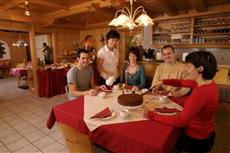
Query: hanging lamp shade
[[122, 19], [144, 19]]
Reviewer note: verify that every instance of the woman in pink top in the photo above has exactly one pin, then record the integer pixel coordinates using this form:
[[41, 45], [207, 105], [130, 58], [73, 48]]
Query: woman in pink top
[[198, 116]]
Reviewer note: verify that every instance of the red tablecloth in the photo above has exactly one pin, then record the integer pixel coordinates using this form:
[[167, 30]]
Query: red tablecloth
[[51, 82], [18, 72], [133, 137]]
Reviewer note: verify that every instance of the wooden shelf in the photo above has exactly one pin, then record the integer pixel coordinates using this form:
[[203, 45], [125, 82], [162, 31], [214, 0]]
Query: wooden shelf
[[221, 40], [211, 34], [212, 25], [169, 33], [196, 45]]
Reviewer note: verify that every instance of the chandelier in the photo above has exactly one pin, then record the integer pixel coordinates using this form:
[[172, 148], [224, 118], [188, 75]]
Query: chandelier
[[20, 42], [127, 17]]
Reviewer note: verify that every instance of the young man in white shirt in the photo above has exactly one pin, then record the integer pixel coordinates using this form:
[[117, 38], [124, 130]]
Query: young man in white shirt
[[108, 57]]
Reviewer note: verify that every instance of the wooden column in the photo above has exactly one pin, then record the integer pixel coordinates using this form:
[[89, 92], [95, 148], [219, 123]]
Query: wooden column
[[33, 57], [54, 40]]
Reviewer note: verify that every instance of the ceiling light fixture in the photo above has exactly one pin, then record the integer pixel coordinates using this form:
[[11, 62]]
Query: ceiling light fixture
[[127, 17], [27, 12]]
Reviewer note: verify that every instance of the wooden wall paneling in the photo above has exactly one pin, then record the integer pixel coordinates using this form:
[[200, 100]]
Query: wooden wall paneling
[[122, 52], [10, 25], [149, 72], [97, 34], [54, 47], [17, 55], [65, 39]]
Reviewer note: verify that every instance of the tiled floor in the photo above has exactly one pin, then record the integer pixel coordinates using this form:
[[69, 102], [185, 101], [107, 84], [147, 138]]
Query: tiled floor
[[23, 118]]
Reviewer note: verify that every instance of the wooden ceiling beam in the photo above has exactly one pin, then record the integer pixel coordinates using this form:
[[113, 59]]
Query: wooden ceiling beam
[[166, 6], [12, 4], [93, 7], [79, 8], [70, 26], [118, 3], [48, 4], [13, 15], [97, 25], [198, 5]]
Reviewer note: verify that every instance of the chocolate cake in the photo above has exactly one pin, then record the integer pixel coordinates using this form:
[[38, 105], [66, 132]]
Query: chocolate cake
[[130, 99]]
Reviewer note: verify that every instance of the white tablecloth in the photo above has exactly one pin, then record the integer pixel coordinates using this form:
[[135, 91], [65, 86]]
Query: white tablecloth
[[94, 104]]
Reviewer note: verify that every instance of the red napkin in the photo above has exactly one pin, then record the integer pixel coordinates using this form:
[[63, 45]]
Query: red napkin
[[129, 87], [167, 110], [108, 90], [103, 114]]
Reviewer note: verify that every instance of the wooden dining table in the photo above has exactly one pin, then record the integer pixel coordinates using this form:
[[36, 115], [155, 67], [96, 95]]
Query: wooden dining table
[[144, 136]]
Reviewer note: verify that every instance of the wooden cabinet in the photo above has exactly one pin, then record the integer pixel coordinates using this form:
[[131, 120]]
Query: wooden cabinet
[[203, 31]]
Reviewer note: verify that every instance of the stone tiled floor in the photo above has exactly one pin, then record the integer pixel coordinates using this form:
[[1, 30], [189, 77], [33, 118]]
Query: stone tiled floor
[[23, 118]]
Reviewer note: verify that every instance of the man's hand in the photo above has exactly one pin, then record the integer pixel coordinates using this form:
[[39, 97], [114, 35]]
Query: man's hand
[[156, 87]]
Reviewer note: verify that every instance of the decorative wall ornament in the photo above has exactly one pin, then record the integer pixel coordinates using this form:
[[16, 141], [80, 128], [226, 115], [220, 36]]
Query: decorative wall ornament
[[4, 51]]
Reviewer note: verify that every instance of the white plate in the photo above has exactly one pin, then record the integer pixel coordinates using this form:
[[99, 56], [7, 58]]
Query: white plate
[[167, 114], [144, 90], [130, 107]]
